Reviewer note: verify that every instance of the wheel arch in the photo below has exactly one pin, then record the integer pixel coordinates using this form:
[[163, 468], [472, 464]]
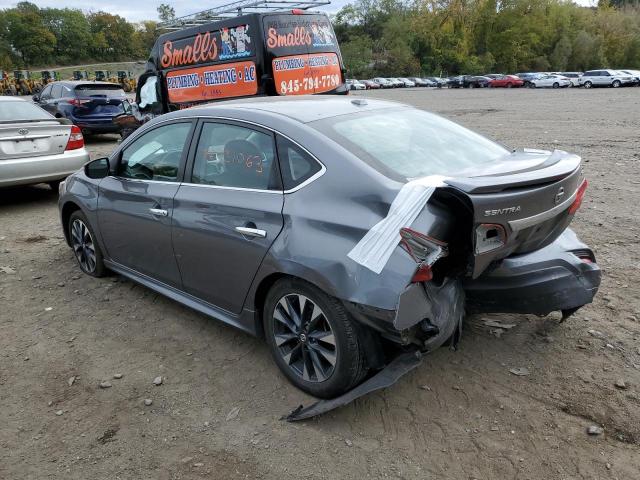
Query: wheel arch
[[65, 214]]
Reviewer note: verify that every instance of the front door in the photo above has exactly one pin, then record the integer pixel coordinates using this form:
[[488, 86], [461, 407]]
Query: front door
[[136, 203], [227, 213]]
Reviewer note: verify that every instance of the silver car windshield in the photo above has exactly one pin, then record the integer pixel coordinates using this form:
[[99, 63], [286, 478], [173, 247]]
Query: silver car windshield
[[15, 111], [410, 143]]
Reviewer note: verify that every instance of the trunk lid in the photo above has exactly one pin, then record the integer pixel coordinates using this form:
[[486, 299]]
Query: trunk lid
[[99, 100], [520, 203], [31, 139]]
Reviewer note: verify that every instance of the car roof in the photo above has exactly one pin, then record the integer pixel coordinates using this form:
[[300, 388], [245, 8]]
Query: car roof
[[5, 98], [82, 82], [303, 108]]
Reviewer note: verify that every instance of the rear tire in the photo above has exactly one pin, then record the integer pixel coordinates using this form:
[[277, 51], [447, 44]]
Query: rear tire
[[85, 248], [616, 84], [312, 339], [556, 85], [54, 185], [588, 84]]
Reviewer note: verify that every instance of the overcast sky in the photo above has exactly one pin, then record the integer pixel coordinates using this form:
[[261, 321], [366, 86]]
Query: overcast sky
[[135, 11]]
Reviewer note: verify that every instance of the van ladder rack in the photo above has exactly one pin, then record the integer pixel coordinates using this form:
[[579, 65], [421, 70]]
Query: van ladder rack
[[239, 7]]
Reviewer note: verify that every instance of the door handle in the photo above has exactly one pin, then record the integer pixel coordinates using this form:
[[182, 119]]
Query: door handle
[[252, 232], [159, 212]]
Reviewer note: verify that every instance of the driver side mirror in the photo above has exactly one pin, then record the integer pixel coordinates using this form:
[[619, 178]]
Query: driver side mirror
[[98, 168], [35, 98]]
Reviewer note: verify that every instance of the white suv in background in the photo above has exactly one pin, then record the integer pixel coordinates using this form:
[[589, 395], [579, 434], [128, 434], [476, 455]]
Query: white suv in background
[[605, 78]]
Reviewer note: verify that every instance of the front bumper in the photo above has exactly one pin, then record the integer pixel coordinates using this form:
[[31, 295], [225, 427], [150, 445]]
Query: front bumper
[[45, 168], [551, 279]]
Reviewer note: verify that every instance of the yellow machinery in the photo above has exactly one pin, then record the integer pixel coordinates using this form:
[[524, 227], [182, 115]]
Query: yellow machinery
[[127, 81], [24, 84], [7, 86], [80, 75], [48, 77], [104, 76]]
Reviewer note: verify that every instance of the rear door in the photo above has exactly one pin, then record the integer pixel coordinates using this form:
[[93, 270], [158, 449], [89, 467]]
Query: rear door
[[136, 203], [303, 53], [228, 212]]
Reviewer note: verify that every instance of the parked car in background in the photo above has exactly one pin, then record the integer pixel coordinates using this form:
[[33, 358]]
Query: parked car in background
[[605, 78], [475, 81], [407, 82], [634, 73], [440, 82], [550, 81], [36, 147], [92, 106], [370, 84], [396, 82], [354, 84], [528, 76], [270, 245], [383, 82], [455, 82], [505, 81], [421, 82], [573, 76]]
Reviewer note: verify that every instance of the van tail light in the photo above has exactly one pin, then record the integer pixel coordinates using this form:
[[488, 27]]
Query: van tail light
[[425, 250], [297, 11], [579, 196], [76, 140], [489, 237]]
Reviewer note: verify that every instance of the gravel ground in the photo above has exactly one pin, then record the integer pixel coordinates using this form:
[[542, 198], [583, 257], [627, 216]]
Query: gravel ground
[[462, 415]]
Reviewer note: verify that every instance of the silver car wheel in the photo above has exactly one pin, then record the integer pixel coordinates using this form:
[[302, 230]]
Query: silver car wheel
[[83, 247], [304, 338]]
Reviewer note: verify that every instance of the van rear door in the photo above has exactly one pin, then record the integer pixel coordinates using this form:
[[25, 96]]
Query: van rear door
[[304, 54]]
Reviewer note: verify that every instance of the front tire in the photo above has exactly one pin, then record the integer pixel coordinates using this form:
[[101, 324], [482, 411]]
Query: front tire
[[588, 84], [312, 339], [616, 84], [85, 248], [556, 85]]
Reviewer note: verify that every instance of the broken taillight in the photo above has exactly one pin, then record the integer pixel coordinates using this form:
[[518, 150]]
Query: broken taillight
[[425, 250], [579, 196], [490, 236]]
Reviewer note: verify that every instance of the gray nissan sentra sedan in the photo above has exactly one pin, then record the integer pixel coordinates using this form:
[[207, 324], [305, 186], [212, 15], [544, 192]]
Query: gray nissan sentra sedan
[[333, 227]]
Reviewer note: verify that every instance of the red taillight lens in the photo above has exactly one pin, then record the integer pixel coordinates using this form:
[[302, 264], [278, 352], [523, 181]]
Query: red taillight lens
[[297, 11], [423, 274], [76, 102], [76, 140], [579, 196]]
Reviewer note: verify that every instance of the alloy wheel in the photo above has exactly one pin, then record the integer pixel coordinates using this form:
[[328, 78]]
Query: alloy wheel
[[83, 247], [304, 338]]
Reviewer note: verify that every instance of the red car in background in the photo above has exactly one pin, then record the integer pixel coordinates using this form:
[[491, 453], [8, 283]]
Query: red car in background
[[370, 84], [505, 81]]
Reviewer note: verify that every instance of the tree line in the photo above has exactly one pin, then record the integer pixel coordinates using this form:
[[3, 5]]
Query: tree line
[[377, 37], [448, 37], [37, 37]]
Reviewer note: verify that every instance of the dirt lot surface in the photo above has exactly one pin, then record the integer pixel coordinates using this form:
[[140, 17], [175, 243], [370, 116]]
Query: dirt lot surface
[[461, 415]]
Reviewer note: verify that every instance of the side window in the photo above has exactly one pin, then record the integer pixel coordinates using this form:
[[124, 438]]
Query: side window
[[46, 93], [56, 91], [233, 156], [66, 92], [296, 165], [155, 155]]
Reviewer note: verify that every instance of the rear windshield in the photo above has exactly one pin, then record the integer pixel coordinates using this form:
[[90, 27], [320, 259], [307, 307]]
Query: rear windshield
[[100, 90], [410, 143], [288, 34], [14, 111]]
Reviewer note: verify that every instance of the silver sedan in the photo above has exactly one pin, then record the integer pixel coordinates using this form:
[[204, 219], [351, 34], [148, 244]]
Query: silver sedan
[[36, 147]]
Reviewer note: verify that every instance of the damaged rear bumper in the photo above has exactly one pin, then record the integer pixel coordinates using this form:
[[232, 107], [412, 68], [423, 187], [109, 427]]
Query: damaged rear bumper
[[560, 277]]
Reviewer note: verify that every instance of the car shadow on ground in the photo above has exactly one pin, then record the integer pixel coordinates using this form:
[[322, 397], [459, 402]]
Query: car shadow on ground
[[27, 196], [97, 139]]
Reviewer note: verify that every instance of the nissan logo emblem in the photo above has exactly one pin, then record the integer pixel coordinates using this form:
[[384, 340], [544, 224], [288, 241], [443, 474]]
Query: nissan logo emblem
[[23, 131], [559, 195]]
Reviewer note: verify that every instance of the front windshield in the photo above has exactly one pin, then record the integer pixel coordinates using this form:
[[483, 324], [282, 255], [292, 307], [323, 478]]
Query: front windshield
[[410, 143], [15, 110]]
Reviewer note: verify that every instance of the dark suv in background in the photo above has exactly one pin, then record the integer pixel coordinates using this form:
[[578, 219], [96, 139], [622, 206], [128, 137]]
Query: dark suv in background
[[92, 106]]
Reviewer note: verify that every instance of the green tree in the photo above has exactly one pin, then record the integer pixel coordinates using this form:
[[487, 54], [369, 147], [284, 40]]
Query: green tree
[[166, 12], [28, 35]]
